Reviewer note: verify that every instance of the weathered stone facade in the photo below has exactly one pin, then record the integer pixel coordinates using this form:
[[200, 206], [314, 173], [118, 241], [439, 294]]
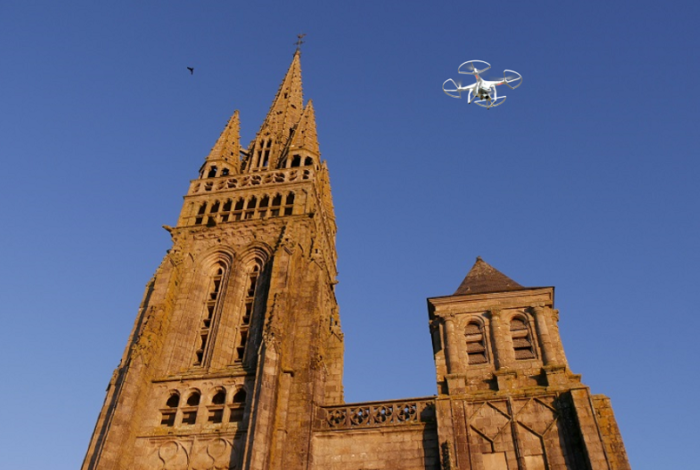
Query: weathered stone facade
[[235, 360]]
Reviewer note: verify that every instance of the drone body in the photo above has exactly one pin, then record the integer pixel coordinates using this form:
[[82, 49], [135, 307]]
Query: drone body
[[483, 92]]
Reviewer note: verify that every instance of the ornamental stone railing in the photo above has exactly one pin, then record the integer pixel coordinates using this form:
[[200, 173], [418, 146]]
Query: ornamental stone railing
[[248, 180], [377, 414]]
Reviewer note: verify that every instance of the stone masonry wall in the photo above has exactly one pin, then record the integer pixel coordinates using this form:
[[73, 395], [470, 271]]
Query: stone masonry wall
[[407, 448], [612, 439]]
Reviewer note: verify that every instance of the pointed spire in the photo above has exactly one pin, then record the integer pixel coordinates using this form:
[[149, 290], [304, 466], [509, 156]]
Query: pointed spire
[[227, 149], [288, 104], [484, 278], [284, 114], [305, 136]]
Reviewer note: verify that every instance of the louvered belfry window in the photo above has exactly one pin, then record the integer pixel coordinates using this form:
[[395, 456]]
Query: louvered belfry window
[[522, 341], [476, 344]]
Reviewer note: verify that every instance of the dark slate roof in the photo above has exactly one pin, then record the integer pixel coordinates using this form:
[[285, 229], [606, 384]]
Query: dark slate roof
[[484, 278]]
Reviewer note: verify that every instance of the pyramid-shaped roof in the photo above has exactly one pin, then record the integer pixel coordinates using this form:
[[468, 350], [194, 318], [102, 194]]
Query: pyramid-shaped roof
[[483, 277]]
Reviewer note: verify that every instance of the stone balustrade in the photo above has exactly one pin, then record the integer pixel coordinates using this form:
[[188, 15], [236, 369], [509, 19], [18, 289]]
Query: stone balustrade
[[377, 414], [223, 183]]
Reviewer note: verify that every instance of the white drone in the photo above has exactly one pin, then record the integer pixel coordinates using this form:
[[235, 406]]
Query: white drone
[[483, 92]]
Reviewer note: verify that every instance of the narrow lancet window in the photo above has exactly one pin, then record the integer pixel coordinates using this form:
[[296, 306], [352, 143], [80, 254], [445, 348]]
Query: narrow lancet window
[[289, 206], [276, 203], [251, 285], [209, 314]]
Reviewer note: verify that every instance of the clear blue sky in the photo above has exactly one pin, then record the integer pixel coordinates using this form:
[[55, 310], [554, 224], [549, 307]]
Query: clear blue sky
[[585, 179]]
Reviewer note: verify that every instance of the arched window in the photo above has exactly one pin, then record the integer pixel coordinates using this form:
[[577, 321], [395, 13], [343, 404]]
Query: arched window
[[208, 317], [476, 343], [275, 206], [212, 172], [289, 206], [193, 399], [216, 409], [262, 207], [238, 405], [200, 213], [251, 284], [226, 210], [173, 401], [250, 207], [189, 412], [170, 411], [308, 161], [239, 397], [522, 341], [238, 209], [266, 154], [219, 397]]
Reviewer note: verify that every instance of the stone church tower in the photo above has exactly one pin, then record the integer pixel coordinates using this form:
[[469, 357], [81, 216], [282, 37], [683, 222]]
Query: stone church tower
[[235, 360]]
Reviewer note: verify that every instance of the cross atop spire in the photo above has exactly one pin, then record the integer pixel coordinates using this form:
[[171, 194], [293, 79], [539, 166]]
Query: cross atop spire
[[300, 41]]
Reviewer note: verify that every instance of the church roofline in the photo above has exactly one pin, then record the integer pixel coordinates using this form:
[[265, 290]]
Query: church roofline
[[490, 293]]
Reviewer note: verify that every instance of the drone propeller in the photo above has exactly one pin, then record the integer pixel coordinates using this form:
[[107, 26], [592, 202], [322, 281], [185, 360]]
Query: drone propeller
[[471, 67], [452, 90], [511, 76]]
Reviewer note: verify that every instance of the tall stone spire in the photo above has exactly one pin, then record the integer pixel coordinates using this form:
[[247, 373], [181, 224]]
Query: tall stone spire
[[226, 152], [286, 110]]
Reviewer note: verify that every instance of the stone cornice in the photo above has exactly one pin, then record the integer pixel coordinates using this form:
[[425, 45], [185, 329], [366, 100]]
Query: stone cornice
[[472, 303]]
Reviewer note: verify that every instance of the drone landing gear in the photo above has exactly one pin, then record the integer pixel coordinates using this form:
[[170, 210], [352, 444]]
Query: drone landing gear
[[487, 100], [488, 104]]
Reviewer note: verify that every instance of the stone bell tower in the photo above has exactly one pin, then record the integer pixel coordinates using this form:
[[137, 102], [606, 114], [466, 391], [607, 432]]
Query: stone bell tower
[[238, 335], [507, 399]]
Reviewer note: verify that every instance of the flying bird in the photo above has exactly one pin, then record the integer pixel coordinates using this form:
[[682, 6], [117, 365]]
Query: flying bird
[[191, 69]]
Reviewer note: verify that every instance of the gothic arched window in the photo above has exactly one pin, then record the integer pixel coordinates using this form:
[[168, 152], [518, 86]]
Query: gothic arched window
[[211, 302], [522, 340], [251, 284], [289, 206], [275, 206], [476, 343]]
